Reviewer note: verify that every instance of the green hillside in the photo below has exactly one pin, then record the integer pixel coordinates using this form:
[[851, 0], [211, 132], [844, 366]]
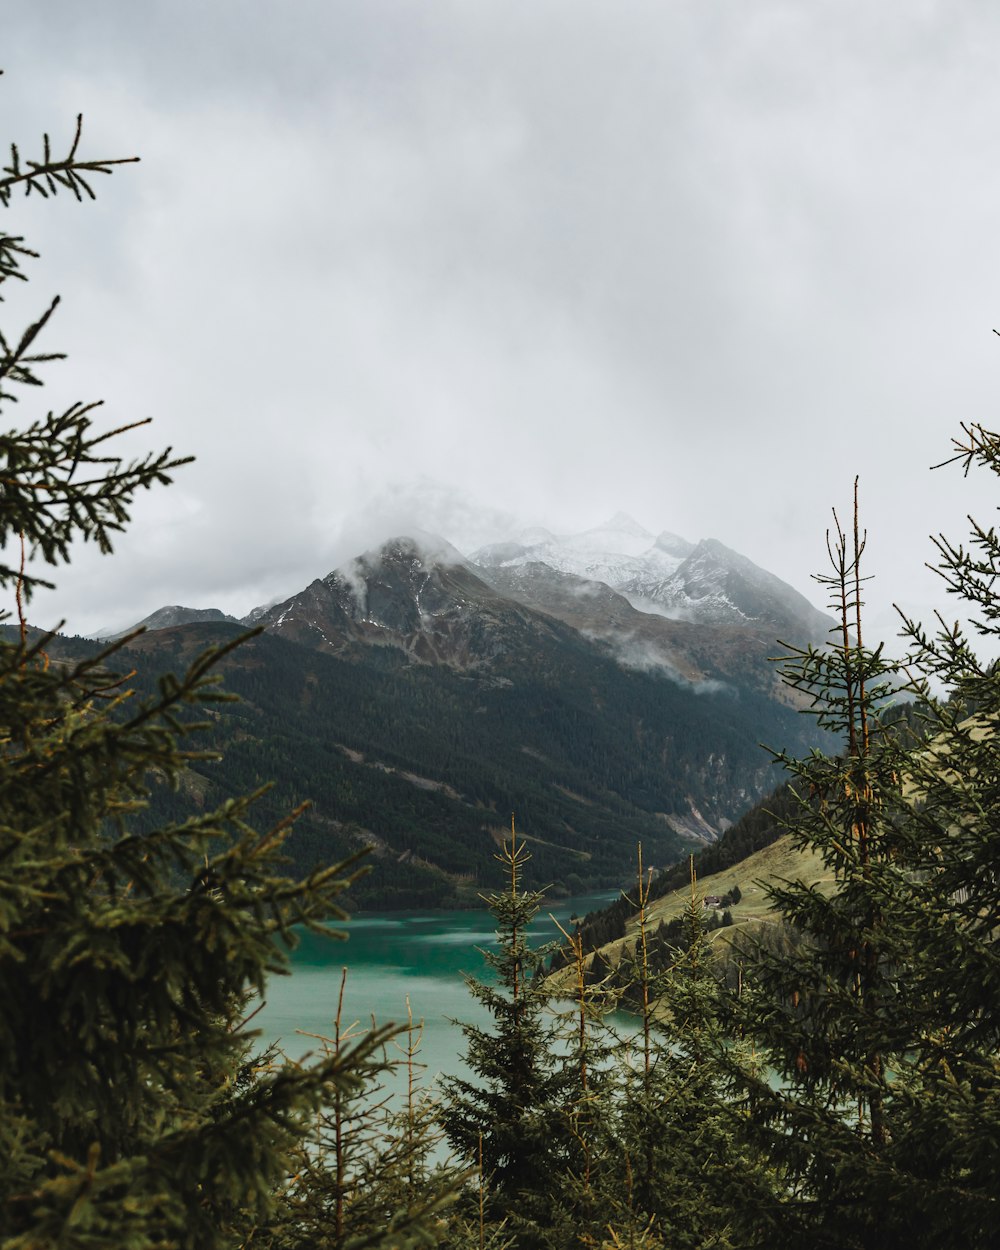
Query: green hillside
[[426, 764], [778, 862]]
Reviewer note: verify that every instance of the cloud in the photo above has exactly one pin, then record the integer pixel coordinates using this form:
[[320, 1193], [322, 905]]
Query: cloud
[[387, 264], [644, 656], [675, 612]]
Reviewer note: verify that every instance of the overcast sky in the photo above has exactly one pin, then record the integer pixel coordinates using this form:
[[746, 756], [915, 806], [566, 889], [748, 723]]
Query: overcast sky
[[476, 265]]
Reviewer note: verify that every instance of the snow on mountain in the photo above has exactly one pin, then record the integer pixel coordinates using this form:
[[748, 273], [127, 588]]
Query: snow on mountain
[[705, 582], [255, 614], [614, 553], [716, 585], [421, 596], [702, 584]]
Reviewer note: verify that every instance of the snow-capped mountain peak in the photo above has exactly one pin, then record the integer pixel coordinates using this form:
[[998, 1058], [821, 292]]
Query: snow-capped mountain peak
[[419, 545], [665, 574], [614, 552]]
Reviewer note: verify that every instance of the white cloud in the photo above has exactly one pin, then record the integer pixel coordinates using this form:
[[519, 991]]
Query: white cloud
[[387, 263]]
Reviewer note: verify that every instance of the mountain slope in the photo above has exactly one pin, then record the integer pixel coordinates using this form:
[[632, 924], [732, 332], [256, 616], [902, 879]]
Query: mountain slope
[[706, 583], [166, 618], [692, 653], [417, 704], [755, 852], [427, 761], [778, 861]]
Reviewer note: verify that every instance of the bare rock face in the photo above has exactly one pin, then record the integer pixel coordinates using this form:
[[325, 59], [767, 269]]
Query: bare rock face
[[402, 595], [699, 614]]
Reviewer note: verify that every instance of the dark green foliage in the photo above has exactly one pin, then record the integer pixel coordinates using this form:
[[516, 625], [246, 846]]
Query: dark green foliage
[[509, 1122], [882, 1021], [132, 1110], [364, 1173], [680, 1157], [947, 907], [423, 760], [821, 1016]]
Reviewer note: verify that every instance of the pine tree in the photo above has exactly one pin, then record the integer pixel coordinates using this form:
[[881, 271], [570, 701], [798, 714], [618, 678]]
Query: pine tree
[[946, 1095], [684, 1151], [132, 1112], [364, 1173], [583, 1195], [642, 1095], [508, 1122], [880, 1017], [827, 1010]]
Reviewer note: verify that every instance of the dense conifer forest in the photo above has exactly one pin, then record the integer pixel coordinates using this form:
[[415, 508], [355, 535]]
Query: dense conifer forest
[[422, 763], [843, 1092], [588, 755]]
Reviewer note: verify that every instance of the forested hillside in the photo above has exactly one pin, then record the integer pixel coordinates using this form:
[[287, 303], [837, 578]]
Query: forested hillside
[[759, 827], [426, 763]]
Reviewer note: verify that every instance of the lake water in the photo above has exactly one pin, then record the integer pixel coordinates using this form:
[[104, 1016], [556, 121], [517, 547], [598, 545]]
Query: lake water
[[422, 955]]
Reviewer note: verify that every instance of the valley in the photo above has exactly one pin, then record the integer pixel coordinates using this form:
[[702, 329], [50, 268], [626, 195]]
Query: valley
[[415, 699]]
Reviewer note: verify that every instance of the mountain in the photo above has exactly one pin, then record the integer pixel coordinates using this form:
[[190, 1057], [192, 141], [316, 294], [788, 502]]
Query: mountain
[[417, 699], [696, 654], [703, 582], [699, 613], [615, 553], [423, 600], [166, 618]]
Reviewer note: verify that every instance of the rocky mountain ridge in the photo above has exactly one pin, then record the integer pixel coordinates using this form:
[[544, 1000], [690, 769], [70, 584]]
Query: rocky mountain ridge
[[167, 618], [704, 582], [424, 598], [418, 698], [436, 611], [665, 575]]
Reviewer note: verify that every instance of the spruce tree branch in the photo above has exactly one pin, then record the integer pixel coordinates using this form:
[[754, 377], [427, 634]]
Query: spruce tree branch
[[47, 175], [12, 248]]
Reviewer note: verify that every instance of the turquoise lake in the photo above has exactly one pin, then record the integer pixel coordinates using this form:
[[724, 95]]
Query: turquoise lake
[[421, 955]]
